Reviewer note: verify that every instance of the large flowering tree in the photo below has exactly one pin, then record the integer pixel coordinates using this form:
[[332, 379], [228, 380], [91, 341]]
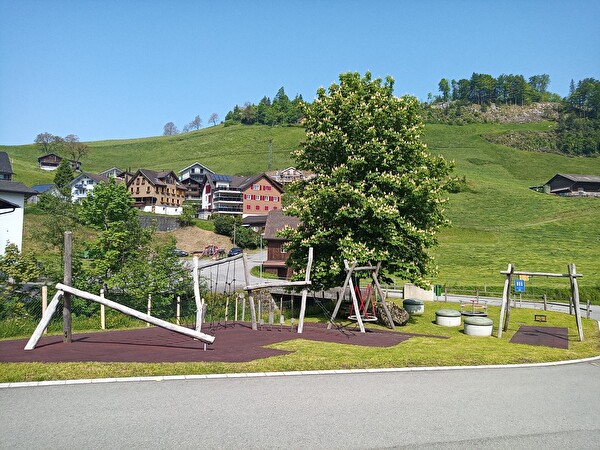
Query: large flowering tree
[[377, 194]]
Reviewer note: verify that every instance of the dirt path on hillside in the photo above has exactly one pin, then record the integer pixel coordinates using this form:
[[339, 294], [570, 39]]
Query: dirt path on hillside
[[194, 239]]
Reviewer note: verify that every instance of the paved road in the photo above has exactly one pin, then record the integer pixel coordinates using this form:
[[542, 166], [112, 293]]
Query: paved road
[[513, 408]]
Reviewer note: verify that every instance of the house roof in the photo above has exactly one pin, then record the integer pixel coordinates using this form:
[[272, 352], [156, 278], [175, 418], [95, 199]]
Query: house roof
[[111, 170], [16, 188], [196, 164], [96, 177], [255, 221], [5, 166], [277, 221], [251, 180], [579, 178], [41, 188], [156, 178]]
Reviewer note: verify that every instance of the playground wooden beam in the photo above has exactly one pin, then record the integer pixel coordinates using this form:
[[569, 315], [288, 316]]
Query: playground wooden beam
[[121, 308], [270, 284]]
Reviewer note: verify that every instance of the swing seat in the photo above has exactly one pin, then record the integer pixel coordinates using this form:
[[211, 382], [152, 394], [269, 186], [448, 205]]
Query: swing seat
[[367, 318]]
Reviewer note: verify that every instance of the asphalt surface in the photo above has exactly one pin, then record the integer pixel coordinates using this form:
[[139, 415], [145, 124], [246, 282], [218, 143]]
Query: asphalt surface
[[552, 407]]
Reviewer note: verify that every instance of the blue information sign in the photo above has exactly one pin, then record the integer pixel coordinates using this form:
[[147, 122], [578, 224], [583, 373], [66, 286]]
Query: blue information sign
[[519, 285]]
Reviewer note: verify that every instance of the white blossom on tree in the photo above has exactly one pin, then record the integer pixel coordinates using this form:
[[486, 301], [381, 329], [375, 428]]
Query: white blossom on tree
[[377, 194]]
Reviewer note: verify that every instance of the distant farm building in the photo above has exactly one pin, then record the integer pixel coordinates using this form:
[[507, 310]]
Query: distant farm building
[[573, 185], [51, 161]]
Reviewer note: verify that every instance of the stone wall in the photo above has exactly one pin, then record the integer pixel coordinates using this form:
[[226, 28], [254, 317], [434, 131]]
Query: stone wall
[[165, 223]]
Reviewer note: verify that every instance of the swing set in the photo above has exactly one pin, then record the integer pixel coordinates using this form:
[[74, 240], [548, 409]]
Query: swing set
[[359, 311]]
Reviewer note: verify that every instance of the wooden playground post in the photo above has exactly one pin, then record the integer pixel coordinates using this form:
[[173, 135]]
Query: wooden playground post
[[178, 311], [102, 312], [44, 301], [197, 298], [250, 293], [149, 307], [573, 301], [305, 291], [68, 281]]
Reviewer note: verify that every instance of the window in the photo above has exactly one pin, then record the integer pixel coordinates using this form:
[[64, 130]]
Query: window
[[266, 208], [143, 181], [137, 181], [282, 249], [247, 206], [267, 188], [248, 196], [275, 199], [256, 187], [257, 208]]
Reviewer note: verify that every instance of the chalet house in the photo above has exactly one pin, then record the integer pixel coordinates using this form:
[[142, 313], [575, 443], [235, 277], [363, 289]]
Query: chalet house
[[6, 172], [289, 175], [192, 177], [195, 171], [157, 192], [193, 190], [51, 161], [113, 172], [84, 183], [276, 254], [12, 200], [573, 185], [221, 194], [261, 195]]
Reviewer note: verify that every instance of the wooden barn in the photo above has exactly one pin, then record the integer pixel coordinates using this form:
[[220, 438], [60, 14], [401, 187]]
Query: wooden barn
[[569, 184]]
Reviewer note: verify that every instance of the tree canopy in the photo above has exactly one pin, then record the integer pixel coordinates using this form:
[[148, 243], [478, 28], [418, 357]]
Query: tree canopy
[[483, 88], [280, 111], [377, 194]]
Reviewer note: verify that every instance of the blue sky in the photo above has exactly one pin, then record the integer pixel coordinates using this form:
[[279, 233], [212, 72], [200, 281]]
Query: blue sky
[[117, 69]]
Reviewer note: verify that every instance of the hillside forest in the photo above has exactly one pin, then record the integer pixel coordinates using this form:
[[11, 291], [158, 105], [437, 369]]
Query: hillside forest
[[577, 130]]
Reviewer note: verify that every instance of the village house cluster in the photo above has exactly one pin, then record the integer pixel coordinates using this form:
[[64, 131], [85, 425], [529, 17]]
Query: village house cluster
[[256, 199], [164, 192]]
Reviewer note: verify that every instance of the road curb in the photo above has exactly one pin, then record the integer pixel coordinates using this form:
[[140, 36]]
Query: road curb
[[287, 374]]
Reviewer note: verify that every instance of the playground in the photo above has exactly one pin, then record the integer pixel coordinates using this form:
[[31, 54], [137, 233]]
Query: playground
[[361, 328]]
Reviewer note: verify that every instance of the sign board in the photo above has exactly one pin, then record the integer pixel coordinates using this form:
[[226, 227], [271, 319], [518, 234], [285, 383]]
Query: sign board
[[519, 285]]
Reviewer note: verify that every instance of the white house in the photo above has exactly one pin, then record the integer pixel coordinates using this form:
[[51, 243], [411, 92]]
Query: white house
[[12, 199], [83, 183], [195, 171], [113, 172]]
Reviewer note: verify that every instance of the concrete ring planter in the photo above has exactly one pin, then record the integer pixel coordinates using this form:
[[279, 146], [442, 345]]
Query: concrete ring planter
[[478, 326], [448, 317], [414, 307]]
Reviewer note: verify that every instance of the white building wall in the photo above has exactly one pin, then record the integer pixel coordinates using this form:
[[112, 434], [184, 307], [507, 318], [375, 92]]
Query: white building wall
[[167, 210], [11, 224]]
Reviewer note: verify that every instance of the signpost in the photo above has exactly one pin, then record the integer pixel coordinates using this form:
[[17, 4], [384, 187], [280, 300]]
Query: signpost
[[519, 285]]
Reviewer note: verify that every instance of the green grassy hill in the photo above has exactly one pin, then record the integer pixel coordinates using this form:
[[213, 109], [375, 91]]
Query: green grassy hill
[[233, 150], [496, 221]]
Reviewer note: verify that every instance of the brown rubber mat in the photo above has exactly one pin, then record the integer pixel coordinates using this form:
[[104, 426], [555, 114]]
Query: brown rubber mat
[[548, 336], [233, 343]]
